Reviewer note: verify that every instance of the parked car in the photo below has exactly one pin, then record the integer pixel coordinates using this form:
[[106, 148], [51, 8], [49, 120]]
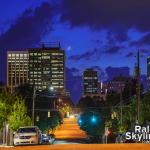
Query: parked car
[[52, 138], [27, 135], [48, 139]]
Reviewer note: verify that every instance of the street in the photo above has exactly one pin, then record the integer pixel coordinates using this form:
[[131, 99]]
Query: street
[[69, 133], [69, 136], [84, 147]]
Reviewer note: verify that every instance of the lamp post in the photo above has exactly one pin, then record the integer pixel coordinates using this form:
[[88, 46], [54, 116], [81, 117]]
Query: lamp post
[[33, 105], [121, 103], [51, 88], [138, 88]]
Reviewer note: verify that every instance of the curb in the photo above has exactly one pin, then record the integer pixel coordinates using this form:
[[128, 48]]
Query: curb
[[4, 146]]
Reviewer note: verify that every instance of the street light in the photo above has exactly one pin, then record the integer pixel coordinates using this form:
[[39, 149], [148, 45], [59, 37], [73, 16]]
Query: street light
[[51, 88], [60, 100]]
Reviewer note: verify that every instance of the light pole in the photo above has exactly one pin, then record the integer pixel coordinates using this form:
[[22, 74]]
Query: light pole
[[51, 88], [33, 102], [121, 103], [33, 105], [138, 88]]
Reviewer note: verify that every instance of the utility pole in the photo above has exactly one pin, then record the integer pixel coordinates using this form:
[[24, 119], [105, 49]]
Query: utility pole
[[121, 102], [138, 88], [33, 105], [54, 104]]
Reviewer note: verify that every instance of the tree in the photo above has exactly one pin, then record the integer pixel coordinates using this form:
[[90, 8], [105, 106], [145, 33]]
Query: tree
[[92, 123], [26, 92], [54, 123], [6, 101], [12, 110], [2, 113], [113, 99], [18, 115], [145, 108], [63, 110]]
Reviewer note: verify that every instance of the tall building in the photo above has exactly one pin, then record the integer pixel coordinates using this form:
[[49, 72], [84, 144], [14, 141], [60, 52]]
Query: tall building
[[148, 72], [119, 83], [90, 79], [17, 68], [116, 86], [47, 67]]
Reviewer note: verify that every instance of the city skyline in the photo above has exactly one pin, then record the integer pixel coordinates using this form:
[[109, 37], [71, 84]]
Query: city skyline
[[92, 33]]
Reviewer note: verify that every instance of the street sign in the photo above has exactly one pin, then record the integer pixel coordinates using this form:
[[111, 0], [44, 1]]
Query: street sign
[[106, 131]]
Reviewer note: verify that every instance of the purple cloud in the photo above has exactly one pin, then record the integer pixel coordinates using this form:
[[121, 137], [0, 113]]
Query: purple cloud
[[130, 54], [99, 14], [29, 28], [145, 40], [91, 54], [112, 50]]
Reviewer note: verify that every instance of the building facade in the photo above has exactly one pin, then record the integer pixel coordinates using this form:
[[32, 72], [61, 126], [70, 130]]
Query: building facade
[[47, 68], [148, 73], [116, 86], [17, 68], [90, 82]]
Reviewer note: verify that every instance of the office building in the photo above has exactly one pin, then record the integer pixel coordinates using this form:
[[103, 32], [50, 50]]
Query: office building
[[90, 82], [47, 67], [116, 86], [148, 73], [17, 68]]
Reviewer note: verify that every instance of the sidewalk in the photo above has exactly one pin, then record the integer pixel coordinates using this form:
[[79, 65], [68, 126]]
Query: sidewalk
[[4, 145]]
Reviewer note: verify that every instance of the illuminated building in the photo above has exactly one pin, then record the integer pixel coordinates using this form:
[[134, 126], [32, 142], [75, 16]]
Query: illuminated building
[[17, 68], [47, 67]]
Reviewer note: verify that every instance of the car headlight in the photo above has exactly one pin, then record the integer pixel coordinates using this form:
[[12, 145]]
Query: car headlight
[[16, 136]]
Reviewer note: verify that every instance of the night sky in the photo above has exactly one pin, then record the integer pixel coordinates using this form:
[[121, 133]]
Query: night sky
[[104, 34]]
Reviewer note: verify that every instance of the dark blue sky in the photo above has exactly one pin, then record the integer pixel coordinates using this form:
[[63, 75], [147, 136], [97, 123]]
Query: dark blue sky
[[99, 33]]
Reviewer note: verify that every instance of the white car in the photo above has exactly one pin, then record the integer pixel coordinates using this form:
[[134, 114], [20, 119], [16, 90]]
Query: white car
[[27, 135]]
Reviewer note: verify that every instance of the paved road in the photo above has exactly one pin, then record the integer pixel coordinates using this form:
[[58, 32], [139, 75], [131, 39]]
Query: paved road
[[70, 130], [71, 141], [84, 147]]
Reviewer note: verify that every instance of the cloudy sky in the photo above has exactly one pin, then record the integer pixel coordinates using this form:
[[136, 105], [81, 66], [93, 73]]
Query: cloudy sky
[[103, 34]]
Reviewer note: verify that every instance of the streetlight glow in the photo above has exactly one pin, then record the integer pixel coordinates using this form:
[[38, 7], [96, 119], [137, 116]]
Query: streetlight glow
[[51, 88], [59, 100]]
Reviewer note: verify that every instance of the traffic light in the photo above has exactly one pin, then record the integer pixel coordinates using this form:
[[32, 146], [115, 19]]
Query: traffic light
[[49, 114], [37, 118], [79, 121], [93, 119]]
